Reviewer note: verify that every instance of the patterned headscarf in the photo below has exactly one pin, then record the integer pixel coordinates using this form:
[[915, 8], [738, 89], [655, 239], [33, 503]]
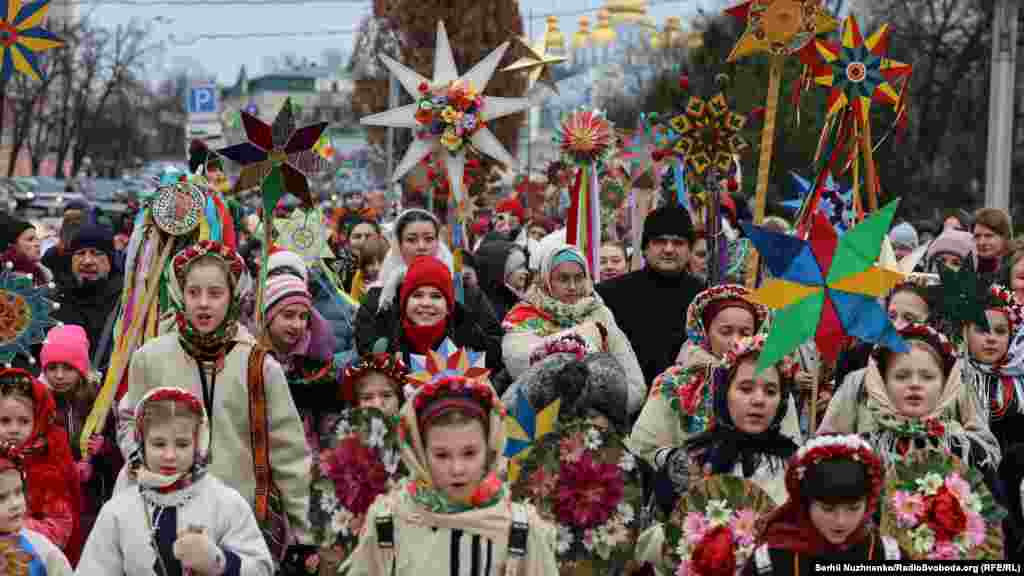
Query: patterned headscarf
[[178, 397], [710, 302]]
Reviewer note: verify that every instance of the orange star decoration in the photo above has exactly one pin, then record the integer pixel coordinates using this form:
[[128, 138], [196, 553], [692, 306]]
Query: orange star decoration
[[709, 134], [780, 27]]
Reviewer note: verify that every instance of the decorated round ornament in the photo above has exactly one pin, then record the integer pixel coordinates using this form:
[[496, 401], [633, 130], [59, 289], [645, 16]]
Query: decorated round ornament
[[713, 529], [178, 207], [24, 315], [780, 27], [361, 461], [936, 508], [586, 137], [584, 480]]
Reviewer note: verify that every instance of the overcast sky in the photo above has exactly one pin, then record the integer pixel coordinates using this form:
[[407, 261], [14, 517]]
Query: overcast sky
[[223, 57]]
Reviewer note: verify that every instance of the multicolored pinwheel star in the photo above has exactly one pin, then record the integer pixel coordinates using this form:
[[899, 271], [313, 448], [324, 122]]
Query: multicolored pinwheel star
[[277, 157], [709, 134], [826, 287], [780, 27], [22, 38], [857, 70], [447, 360]]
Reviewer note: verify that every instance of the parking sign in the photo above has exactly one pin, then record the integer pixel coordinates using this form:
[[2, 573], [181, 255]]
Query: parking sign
[[203, 100]]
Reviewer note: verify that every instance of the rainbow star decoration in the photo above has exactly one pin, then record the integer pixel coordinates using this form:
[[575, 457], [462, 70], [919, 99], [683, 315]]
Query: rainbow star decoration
[[525, 427], [22, 37], [447, 360], [826, 288]]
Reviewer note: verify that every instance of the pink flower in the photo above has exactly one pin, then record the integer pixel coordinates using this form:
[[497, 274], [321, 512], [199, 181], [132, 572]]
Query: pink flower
[[694, 527], [744, 525], [357, 472], [945, 551], [684, 568], [909, 508], [588, 493], [571, 448], [959, 487], [976, 529]]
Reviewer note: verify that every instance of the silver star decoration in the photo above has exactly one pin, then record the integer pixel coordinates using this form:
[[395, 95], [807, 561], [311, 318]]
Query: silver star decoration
[[445, 72]]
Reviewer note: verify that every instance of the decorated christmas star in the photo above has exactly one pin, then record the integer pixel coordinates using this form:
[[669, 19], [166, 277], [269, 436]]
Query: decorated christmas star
[[304, 234], [835, 202], [449, 111], [22, 37], [537, 64], [447, 360], [641, 151], [525, 427], [964, 296], [826, 287], [24, 315], [780, 27], [708, 134], [277, 157]]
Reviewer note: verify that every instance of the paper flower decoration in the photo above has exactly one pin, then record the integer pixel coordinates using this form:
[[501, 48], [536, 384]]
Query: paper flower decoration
[[451, 113], [537, 64], [446, 77], [857, 70], [447, 360], [780, 27], [964, 297], [835, 202], [277, 157], [709, 134], [22, 38], [24, 315], [585, 137], [825, 287], [304, 234], [524, 427]]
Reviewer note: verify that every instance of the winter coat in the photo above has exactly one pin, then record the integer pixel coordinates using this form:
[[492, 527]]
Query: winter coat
[[91, 308], [490, 268]]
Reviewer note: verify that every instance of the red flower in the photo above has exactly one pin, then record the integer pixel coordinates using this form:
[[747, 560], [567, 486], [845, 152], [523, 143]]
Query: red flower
[[358, 474], [684, 82], [715, 553], [423, 87], [935, 428], [945, 516], [588, 492]]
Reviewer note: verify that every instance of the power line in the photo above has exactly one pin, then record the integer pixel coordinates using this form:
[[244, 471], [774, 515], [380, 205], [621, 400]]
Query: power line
[[581, 11], [147, 3], [193, 38]]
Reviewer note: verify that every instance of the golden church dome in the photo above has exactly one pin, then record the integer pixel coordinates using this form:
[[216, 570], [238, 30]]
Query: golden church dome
[[554, 41], [603, 33], [582, 36]]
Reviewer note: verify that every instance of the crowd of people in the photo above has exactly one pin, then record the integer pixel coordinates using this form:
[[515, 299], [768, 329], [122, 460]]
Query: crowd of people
[[230, 422]]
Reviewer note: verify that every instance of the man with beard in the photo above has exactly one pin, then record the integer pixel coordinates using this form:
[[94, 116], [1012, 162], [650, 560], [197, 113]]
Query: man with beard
[[91, 299], [650, 304]]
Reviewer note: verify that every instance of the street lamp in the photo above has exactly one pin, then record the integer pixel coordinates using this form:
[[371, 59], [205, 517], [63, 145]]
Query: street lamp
[[1001, 102]]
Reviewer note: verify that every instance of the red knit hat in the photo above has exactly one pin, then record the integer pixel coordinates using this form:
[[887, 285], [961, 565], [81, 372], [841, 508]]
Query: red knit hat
[[513, 206], [428, 271], [68, 344]]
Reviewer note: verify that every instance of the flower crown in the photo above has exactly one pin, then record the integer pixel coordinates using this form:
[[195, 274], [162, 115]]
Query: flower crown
[[744, 347], [457, 387], [15, 381], [695, 327], [1005, 301], [834, 447], [928, 334], [390, 365], [165, 394], [571, 343], [186, 257]]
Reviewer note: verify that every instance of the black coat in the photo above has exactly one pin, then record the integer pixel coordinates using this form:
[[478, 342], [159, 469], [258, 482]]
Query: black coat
[[90, 308], [490, 270], [473, 326], [650, 308]]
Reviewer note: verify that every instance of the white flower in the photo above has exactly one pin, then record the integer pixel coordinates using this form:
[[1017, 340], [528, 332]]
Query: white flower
[[564, 541], [340, 522], [931, 483], [627, 513], [974, 503], [378, 431], [628, 462], [390, 459], [922, 539], [719, 513], [344, 429], [328, 500], [593, 439]]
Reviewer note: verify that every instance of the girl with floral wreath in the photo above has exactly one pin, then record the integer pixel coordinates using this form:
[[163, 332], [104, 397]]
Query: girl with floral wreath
[[681, 399], [209, 355], [563, 305], [375, 380], [745, 438], [454, 514], [23, 551], [915, 400], [834, 484], [28, 422], [177, 519]]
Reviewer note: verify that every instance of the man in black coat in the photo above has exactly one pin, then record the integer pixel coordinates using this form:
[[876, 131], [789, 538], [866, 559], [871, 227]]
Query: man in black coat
[[92, 299], [650, 304]]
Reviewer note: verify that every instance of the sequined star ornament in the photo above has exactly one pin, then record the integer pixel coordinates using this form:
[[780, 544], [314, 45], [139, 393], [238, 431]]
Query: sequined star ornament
[[24, 315], [537, 64], [304, 234], [470, 102], [708, 134], [780, 27], [22, 38], [277, 157]]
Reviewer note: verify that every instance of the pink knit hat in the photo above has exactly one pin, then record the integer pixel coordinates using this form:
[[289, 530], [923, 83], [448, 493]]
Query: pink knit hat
[[67, 344], [284, 290]]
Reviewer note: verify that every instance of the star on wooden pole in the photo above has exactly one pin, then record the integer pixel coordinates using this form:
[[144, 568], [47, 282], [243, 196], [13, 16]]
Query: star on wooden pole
[[537, 64]]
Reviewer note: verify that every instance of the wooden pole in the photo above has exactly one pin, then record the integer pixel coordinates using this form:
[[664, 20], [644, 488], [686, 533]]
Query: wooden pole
[[871, 176], [764, 164]]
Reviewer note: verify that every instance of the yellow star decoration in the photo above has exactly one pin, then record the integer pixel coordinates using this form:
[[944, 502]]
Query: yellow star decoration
[[780, 27], [303, 234], [538, 63], [709, 134]]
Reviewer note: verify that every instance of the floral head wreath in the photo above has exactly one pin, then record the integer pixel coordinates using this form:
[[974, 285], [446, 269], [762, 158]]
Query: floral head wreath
[[179, 396], [390, 365], [695, 328], [937, 340], [456, 391], [183, 259], [835, 447], [1004, 301], [570, 343], [15, 381], [744, 347]]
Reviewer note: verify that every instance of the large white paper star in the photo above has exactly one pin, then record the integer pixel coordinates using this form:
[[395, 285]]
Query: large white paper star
[[445, 73], [304, 234]]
